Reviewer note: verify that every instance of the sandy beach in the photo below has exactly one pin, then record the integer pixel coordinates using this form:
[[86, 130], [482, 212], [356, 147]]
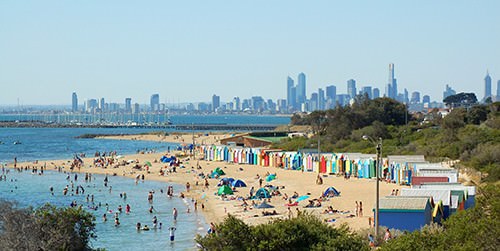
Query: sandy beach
[[216, 209]]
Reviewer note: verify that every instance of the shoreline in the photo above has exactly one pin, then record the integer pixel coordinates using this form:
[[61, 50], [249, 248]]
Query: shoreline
[[216, 209]]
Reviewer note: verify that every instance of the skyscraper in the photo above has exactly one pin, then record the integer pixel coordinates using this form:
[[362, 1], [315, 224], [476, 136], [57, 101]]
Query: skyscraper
[[155, 102], [368, 91], [392, 86], [301, 89], [290, 95], [101, 104], [487, 86], [215, 102], [426, 99], [128, 105], [448, 91], [321, 99], [74, 102], [376, 93], [415, 97], [351, 88], [498, 89]]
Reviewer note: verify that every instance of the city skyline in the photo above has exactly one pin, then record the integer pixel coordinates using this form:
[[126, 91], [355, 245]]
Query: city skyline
[[187, 51]]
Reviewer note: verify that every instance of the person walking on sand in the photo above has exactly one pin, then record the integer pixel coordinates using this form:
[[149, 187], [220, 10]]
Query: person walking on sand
[[357, 209], [360, 209]]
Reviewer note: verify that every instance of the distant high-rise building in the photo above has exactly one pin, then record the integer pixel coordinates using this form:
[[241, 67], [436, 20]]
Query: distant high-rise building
[[392, 86], [136, 108], [290, 94], [215, 102], [376, 93], [415, 97], [313, 102], [237, 104], [128, 105], [74, 102], [351, 88], [448, 92], [406, 99], [331, 92], [301, 88], [257, 103], [426, 99], [487, 86], [91, 105], [321, 99], [155, 102], [498, 89], [368, 91], [102, 104]]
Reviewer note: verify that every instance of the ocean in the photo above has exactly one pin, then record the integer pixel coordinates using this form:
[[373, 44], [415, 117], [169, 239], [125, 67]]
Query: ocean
[[34, 190]]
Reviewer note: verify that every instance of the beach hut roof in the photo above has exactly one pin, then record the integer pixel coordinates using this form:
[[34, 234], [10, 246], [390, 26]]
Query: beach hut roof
[[471, 190], [406, 158], [404, 203], [437, 195]]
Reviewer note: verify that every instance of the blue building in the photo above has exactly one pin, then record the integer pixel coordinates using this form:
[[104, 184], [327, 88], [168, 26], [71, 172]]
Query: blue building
[[405, 213]]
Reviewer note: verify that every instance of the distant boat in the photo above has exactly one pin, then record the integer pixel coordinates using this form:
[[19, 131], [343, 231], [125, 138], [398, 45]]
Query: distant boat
[[17, 142]]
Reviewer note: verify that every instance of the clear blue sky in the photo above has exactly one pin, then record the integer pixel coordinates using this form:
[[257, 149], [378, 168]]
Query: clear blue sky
[[190, 50]]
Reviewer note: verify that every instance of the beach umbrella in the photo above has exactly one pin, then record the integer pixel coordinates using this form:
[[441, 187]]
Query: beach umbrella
[[303, 197], [148, 163], [264, 205]]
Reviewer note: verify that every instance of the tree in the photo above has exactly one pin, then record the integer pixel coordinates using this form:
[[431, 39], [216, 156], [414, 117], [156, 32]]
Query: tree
[[306, 232], [460, 99], [45, 228]]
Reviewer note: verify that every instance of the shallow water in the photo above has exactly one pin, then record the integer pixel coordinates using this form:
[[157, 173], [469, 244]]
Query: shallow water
[[34, 190]]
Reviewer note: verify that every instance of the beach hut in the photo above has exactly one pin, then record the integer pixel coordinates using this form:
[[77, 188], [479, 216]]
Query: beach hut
[[224, 190], [405, 213], [443, 196], [331, 192], [238, 183], [470, 190], [417, 180], [262, 193]]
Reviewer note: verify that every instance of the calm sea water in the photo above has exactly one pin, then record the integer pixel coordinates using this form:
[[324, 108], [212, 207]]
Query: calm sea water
[[61, 143], [33, 190], [153, 118]]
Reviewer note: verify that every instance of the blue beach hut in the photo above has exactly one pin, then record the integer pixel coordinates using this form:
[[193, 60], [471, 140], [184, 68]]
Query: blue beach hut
[[405, 213]]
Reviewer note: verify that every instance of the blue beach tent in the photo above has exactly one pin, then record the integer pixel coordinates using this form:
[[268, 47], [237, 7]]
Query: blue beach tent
[[331, 192], [238, 183]]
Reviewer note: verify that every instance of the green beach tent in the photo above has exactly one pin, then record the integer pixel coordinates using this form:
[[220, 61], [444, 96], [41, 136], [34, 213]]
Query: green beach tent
[[224, 190]]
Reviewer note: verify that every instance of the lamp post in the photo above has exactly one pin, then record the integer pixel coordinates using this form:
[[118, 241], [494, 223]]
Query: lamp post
[[378, 146]]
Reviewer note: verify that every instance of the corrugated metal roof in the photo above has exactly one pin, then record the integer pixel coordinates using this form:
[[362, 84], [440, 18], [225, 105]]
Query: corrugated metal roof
[[437, 195], [403, 202], [406, 158], [471, 190]]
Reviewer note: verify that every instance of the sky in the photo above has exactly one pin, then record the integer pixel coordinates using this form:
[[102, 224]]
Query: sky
[[189, 50]]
